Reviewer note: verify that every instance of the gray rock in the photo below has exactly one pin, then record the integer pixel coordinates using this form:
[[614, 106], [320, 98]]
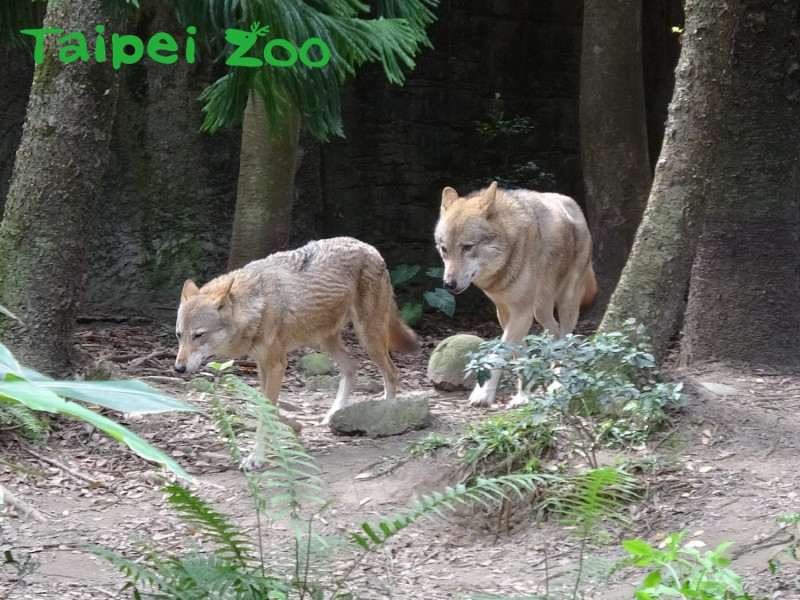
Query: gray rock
[[446, 365], [315, 364], [380, 418], [720, 389]]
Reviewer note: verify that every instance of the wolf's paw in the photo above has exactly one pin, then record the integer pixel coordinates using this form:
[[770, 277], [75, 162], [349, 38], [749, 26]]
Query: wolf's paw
[[481, 396], [252, 462], [519, 399]]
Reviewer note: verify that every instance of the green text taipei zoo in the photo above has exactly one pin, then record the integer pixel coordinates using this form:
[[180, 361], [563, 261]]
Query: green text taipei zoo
[[163, 48]]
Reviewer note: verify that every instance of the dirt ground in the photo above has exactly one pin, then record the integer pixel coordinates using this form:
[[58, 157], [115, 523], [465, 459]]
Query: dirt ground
[[727, 467]]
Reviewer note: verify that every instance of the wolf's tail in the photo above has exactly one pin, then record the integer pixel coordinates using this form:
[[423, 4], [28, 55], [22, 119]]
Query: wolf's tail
[[401, 337], [589, 287]]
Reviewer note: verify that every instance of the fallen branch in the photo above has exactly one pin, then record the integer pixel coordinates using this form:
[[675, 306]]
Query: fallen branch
[[138, 359], [25, 509], [70, 471]]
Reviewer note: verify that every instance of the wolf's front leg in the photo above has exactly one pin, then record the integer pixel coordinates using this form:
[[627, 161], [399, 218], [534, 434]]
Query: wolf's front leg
[[271, 375]]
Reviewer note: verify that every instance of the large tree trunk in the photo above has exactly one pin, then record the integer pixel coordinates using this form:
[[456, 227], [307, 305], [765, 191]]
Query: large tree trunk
[[49, 207], [653, 285], [616, 164], [268, 161], [744, 300]]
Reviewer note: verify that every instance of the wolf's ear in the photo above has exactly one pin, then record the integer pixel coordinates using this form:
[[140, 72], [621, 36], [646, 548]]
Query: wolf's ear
[[189, 289], [222, 296], [449, 195], [487, 200]]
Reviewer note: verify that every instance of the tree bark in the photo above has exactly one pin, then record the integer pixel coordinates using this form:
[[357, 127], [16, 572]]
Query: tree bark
[[268, 161], [613, 126], [56, 176], [653, 285], [744, 299]]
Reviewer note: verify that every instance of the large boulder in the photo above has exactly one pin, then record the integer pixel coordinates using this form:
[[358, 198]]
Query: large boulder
[[447, 363], [381, 418]]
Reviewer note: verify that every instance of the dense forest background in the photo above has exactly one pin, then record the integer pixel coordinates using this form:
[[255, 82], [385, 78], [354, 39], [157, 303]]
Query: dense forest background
[[497, 97]]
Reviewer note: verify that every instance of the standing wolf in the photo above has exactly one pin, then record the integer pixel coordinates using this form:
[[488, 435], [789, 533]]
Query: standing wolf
[[529, 252], [292, 299]]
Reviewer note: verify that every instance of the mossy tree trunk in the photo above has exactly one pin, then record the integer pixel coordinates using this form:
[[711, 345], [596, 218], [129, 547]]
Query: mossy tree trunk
[[613, 125], [653, 285], [48, 211], [265, 193], [744, 298]]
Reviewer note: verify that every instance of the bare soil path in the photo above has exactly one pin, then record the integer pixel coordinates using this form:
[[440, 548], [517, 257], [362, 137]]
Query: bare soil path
[[727, 467]]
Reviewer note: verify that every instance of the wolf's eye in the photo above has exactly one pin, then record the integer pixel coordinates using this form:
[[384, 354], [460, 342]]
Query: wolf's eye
[[443, 250], [467, 247], [178, 333], [198, 335]]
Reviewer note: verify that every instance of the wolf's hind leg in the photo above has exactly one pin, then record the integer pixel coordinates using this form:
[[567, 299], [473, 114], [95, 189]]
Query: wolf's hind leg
[[335, 348]]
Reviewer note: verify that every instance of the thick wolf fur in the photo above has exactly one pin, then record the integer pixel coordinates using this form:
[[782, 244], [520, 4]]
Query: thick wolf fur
[[305, 297], [530, 252]]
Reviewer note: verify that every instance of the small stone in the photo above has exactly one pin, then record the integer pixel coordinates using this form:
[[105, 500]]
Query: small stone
[[315, 364], [447, 363], [381, 418], [720, 389]]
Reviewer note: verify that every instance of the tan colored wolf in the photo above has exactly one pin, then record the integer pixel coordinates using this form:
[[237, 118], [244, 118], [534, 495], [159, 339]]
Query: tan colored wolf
[[530, 252], [292, 299]]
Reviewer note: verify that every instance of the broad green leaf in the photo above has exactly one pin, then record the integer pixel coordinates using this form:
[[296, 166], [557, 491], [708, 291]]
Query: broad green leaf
[[129, 396], [637, 547], [652, 580], [411, 313], [402, 273], [38, 398], [443, 300]]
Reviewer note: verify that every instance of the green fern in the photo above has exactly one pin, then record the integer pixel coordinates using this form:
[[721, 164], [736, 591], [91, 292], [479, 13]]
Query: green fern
[[232, 546], [14, 414], [484, 491]]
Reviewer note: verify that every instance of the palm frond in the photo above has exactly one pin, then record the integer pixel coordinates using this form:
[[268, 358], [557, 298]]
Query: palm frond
[[392, 36]]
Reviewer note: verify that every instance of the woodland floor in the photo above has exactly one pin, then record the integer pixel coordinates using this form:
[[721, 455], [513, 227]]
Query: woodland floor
[[728, 465]]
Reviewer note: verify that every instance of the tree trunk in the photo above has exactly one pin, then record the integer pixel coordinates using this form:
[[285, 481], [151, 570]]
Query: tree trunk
[[49, 207], [268, 161], [613, 120], [653, 285], [744, 299]]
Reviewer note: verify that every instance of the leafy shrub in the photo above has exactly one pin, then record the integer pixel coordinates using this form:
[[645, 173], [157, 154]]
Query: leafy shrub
[[610, 377], [683, 571], [438, 297]]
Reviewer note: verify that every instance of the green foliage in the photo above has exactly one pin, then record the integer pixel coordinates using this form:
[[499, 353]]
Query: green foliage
[[510, 442], [391, 37], [483, 491], [23, 392], [502, 154], [428, 445], [610, 377], [788, 522], [401, 277], [683, 571]]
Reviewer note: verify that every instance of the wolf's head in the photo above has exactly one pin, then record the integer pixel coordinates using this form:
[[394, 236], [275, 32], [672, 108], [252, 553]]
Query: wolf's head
[[469, 238], [206, 326]]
